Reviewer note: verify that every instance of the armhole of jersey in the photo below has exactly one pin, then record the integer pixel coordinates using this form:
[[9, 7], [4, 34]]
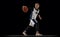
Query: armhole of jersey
[[39, 12], [30, 14]]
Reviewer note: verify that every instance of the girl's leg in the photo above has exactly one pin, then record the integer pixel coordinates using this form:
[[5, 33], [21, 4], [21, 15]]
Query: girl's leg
[[37, 29], [28, 27], [24, 32]]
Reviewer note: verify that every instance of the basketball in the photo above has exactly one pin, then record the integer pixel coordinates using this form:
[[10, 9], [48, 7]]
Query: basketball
[[25, 9]]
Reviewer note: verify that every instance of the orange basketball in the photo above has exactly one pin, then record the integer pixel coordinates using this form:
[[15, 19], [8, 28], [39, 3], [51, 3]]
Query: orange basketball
[[25, 9]]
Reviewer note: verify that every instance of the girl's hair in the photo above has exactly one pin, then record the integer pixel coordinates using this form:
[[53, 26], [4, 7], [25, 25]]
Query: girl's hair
[[37, 3]]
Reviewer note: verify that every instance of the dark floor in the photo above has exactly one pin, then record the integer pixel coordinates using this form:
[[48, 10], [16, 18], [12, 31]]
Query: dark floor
[[31, 36]]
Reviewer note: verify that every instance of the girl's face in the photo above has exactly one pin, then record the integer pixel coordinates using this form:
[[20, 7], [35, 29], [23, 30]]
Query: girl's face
[[37, 5]]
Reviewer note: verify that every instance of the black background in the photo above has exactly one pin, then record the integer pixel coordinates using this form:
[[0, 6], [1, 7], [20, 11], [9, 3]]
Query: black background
[[15, 21]]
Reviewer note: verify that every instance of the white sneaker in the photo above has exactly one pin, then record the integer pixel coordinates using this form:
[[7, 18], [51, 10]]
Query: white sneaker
[[24, 34], [38, 34]]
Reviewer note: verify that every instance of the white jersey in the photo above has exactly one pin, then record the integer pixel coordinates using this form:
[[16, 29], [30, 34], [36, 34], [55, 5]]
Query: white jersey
[[34, 13]]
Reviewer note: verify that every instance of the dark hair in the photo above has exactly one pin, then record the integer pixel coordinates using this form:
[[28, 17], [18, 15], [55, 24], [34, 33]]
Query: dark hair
[[37, 3]]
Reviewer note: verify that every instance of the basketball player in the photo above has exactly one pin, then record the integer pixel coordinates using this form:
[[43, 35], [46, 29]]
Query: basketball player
[[33, 20]]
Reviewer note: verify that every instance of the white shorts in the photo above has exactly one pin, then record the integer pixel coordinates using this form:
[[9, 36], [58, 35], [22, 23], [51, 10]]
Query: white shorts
[[32, 23]]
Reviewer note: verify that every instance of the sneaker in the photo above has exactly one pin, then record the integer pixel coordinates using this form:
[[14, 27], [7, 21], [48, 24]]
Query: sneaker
[[24, 33], [38, 34]]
